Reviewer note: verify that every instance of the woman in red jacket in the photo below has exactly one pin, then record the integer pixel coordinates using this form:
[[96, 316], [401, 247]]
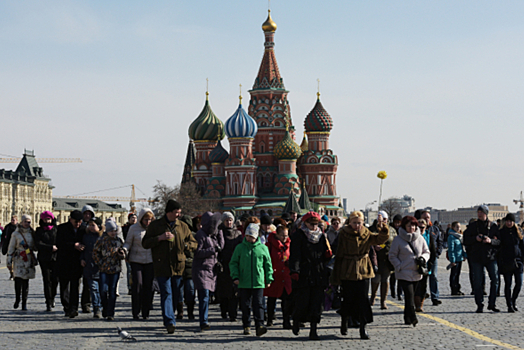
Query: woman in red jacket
[[278, 245]]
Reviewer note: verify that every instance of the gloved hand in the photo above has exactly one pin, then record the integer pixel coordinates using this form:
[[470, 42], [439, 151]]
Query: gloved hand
[[294, 276]]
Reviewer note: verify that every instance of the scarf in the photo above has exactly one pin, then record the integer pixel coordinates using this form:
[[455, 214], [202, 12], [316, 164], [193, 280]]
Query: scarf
[[48, 227], [456, 235], [312, 236]]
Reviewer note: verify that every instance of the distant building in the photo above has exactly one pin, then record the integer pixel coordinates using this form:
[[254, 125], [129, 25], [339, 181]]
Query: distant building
[[24, 191], [62, 208], [463, 215]]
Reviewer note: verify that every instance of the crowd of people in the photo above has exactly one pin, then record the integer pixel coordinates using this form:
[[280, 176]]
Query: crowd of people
[[311, 263]]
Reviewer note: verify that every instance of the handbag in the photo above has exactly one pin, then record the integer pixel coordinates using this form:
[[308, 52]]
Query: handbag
[[422, 267]]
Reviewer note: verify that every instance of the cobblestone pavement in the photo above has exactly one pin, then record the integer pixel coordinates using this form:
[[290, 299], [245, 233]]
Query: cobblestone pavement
[[452, 325]]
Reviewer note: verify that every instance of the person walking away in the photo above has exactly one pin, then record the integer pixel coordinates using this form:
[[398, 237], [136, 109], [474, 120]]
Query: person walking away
[[482, 238], [168, 237], [436, 232], [6, 237], [21, 260], [456, 255], [47, 251], [210, 242], [227, 291], [69, 243], [309, 254], [279, 250], [251, 271], [91, 272], [406, 250], [353, 269], [141, 265], [511, 260]]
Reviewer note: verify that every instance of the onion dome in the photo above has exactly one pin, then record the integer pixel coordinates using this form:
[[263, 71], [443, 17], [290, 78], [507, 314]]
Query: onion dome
[[318, 120], [240, 124], [207, 127], [269, 25], [218, 154], [287, 148], [304, 146]]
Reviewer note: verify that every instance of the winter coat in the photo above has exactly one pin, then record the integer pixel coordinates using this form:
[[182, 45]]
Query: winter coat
[[480, 252], [89, 240], [7, 232], [189, 252], [279, 253], [456, 251], [210, 241], [331, 234], [68, 258], [511, 250], [251, 265], [22, 267], [430, 241], [232, 238], [133, 242], [352, 262], [308, 260], [403, 257], [436, 233], [168, 257], [45, 240], [105, 254]]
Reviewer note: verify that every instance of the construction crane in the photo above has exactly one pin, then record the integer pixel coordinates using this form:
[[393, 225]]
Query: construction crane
[[42, 160], [521, 206]]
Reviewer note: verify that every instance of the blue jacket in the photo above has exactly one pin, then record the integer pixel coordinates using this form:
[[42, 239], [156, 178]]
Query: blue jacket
[[456, 251]]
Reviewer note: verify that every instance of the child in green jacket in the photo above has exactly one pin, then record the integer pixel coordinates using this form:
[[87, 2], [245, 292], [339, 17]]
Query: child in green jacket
[[251, 271]]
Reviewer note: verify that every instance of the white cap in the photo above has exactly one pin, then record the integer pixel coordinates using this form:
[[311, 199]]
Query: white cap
[[252, 230], [383, 214]]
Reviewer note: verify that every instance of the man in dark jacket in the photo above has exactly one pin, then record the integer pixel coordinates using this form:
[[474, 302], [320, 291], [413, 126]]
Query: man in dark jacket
[[439, 246], [6, 237], [167, 238], [481, 241], [68, 242], [47, 252]]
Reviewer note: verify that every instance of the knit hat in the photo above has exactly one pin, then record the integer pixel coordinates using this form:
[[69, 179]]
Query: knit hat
[[26, 217], [172, 205], [130, 214], [76, 215], [227, 216], [252, 230], [97, 221], [325, 218], [510, 217], [483, 208], [311, 215], [110, 226], [47, 215], [383, 214], [397, 217], [266, 220], [286, 216]]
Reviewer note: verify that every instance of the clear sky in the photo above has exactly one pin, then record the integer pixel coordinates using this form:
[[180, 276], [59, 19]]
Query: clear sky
[[430, 91]]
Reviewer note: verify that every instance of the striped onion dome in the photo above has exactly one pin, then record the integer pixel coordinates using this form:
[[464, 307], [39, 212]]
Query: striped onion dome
[[240, 124], [218, 154], [207, 126], [287, 148], [318, 119]]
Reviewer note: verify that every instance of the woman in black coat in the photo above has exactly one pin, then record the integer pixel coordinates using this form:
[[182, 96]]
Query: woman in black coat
[[309, 254], [46, 245], [510, 260]]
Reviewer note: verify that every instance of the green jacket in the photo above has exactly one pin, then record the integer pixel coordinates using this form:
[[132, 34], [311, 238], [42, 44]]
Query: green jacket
[[168, 257], [251, 265]]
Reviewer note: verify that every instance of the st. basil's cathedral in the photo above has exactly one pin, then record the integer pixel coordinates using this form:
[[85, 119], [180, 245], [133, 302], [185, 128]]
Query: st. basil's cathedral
[[265, 171]]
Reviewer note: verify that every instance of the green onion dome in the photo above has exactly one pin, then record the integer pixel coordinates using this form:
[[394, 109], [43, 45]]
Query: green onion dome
[[207, 127], [287, 148]]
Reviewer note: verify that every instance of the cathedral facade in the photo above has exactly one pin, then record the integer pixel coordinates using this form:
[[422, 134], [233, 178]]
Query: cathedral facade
[[265, 170]]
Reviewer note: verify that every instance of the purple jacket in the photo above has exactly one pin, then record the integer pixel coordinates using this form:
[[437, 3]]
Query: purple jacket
[[208, 237]]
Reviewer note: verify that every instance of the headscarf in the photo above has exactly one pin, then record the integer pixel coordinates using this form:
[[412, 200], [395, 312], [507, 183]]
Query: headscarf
[[210, 223]]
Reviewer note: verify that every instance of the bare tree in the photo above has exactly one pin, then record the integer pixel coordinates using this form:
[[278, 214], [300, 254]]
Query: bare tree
[[392, 207], [188, 195]]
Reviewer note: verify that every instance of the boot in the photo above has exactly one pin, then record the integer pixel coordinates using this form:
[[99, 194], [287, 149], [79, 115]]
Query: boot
[[180, 311], [383, 295], [190, 308], [419, 303], [344, 325], [363, 332], [18, 292], [25, 291], [374, 289], [296, 327], [313, 332]]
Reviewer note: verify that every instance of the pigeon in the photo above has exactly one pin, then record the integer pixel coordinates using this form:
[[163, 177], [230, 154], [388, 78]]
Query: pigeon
[[124, 335]]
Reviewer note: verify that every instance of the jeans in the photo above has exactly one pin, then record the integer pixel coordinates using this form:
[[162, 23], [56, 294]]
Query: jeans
[[203, 306], [108, 284], [433, 282], [478, 279], [252, 297], [181, 289], [129, 276], [189, 291], [94, 291], [454, 278], [141, 288], [409, 288], [508, 277], [169, 287]]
